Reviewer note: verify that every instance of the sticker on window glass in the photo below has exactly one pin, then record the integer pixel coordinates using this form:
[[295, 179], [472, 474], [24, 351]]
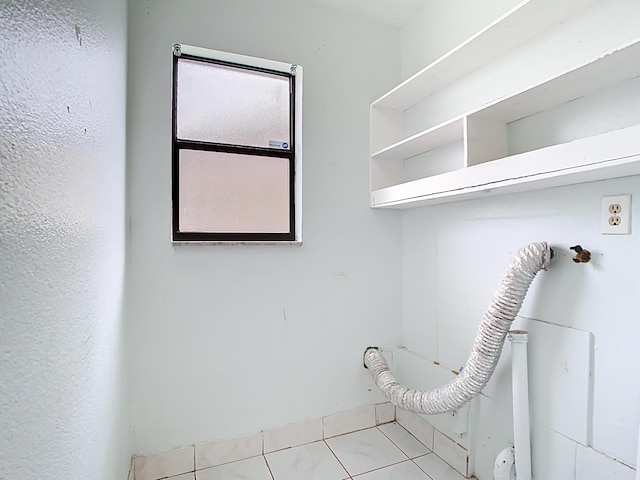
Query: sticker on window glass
[[278, 144]]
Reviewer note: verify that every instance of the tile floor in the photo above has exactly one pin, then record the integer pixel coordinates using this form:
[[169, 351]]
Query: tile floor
[[386, 452]]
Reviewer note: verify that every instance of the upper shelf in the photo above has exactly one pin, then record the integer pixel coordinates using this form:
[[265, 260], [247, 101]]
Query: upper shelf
[[526, 19], [610, 68]]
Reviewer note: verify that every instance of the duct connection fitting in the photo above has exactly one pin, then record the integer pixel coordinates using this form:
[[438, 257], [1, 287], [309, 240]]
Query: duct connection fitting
[[487, 347]]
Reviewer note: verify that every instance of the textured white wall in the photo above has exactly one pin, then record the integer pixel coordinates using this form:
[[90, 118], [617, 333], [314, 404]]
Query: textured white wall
[[230, 340], [454, 255], [63, 399]]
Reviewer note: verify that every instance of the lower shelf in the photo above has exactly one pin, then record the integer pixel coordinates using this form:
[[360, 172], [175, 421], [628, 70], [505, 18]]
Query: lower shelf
[[608, 155]]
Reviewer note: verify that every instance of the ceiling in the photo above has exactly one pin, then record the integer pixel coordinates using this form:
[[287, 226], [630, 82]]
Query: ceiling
[[393, 12]]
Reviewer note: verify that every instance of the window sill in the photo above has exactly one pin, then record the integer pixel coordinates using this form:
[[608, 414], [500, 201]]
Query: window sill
[[236, 244]]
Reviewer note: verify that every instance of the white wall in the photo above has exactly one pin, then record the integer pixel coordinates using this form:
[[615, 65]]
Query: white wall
[[454, 254], [63, 396], [230, 340], [441, 26]]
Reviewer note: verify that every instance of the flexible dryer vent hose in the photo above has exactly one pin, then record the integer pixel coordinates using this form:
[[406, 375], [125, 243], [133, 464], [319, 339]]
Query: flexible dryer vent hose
[[487, 345]]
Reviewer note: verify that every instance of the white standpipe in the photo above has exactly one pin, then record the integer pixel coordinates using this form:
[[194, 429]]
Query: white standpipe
[[520, 382], [638, 460]]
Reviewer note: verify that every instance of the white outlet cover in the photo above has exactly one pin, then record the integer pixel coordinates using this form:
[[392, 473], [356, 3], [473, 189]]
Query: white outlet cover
[[624, 227]]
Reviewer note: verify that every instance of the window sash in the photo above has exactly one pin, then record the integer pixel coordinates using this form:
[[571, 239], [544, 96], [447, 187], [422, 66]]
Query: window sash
[[180, 144], [272, 120]]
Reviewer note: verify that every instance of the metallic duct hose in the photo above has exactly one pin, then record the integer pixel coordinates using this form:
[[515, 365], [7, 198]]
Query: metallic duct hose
[[486, 349]]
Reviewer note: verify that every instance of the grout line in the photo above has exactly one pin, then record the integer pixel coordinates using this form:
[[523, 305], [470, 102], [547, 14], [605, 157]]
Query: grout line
[[347, 433], [396, 445], [383, 467], [433, 440], [268, 467], [296, 446], [226, 463], [422, 469], [336, 457], [429, 450]]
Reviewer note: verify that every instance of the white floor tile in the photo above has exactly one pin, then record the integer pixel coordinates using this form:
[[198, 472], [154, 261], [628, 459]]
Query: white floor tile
[[405, 471], [437, 468], [310, 462], [184, 476], [365, 450], [165, 464], [404, 440], [250, 469]]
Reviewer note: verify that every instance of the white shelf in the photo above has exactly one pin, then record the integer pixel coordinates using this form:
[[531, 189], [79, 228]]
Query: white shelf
[[467, 155], [612, 67], [520, 24], [424, 141], [609, 155]]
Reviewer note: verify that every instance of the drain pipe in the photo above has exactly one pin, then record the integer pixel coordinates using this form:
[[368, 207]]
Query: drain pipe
[[519, 454], [638, 460], [503, 466], [520, 385]]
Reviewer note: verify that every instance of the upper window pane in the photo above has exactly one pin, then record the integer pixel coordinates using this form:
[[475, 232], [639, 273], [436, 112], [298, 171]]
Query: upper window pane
[[224, 104]]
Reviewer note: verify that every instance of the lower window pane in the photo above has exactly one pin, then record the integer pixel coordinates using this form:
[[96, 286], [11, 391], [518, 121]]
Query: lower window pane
[[227, 193]]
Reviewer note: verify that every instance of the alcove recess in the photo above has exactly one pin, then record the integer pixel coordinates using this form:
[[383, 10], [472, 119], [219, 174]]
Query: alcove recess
[[444, 134]]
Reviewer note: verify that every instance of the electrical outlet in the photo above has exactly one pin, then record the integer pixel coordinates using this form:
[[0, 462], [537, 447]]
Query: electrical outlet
[[615, 218]]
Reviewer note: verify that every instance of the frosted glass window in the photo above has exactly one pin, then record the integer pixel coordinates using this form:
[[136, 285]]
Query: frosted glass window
[[223, 192], [224, 104], [234, 151]]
